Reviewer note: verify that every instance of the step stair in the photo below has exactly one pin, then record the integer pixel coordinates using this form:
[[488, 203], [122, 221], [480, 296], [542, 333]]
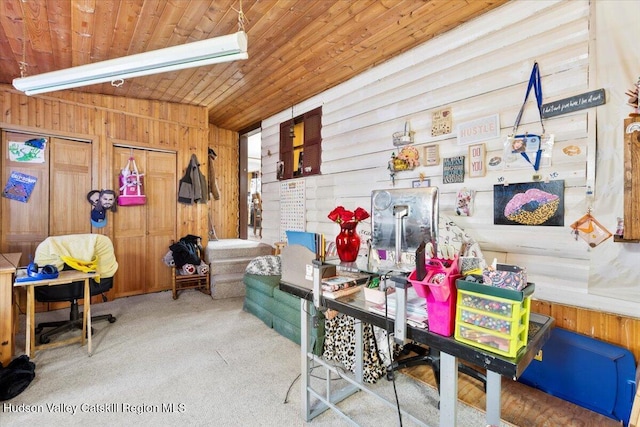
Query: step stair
[[228, 259]]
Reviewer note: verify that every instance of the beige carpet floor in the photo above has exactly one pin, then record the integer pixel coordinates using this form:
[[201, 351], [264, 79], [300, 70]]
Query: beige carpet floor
[[193, 361]]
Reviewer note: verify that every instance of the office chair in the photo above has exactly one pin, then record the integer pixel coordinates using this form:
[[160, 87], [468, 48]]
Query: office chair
[[81, 247], [429, 356]]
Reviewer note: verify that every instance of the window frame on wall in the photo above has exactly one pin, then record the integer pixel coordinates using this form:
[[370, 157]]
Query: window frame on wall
[[304, 158]]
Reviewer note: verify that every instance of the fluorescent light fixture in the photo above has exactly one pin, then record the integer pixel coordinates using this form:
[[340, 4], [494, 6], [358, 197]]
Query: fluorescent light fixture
[[205, 52]]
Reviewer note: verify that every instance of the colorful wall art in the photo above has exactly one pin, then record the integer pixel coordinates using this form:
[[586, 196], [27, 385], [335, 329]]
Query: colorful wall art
[[19, 186], [529, 203]]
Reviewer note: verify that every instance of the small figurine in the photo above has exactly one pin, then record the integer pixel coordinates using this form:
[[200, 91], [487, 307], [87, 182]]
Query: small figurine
[[620, 227], [392, 169]]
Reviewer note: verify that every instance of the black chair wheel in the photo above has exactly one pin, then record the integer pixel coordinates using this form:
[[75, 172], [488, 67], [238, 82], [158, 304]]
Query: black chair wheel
[[111, 319], [390, 375], [44, 340]]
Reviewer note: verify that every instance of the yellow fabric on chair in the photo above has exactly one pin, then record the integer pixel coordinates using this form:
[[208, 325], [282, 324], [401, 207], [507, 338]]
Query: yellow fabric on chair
[[78, 264], [79, 247]]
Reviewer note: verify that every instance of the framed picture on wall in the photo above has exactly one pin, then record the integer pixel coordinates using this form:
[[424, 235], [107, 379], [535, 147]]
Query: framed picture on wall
[[431, 155], [477, 154], [452, 169], [421, 183], [529, 203]]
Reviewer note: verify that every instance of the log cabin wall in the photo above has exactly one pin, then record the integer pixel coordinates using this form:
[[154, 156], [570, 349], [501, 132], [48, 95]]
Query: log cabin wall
[[111, 121], [608, 327], [479, 69], [225, 212]]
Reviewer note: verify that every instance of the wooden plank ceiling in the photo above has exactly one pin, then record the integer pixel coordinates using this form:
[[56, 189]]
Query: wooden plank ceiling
[[297, 48]]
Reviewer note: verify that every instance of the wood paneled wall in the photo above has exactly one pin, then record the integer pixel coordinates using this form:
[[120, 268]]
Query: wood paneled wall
[[107, 120], [225, 212], [611, 328]]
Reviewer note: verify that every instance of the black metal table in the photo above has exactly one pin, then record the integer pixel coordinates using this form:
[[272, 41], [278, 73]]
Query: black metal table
[[354, 305]]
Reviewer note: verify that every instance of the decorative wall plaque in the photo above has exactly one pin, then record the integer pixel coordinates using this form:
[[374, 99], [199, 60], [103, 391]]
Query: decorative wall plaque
[[479, 130], [431, 155], [453, 170], [574, 103], [441, 122], [477, 155]]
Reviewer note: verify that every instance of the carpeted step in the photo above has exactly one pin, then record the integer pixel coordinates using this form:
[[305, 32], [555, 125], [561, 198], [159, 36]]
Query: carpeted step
[[236, 248], [229, 265], [227, 286], [228, 259]]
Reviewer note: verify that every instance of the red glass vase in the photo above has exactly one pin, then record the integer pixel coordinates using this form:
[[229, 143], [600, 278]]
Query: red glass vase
[[348, 242]]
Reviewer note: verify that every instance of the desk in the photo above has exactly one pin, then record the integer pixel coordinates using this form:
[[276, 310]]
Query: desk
[[8, 311], [450, 350], [65, 277]]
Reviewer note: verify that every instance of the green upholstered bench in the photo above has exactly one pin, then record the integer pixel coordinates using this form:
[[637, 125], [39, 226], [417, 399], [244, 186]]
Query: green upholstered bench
[[279, 310]]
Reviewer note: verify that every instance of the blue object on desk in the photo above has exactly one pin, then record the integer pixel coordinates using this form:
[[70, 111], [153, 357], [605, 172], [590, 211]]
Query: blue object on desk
[[303, 238], [585, 371], [33, 273]]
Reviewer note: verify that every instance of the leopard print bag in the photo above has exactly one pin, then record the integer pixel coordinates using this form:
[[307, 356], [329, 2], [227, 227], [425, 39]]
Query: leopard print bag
[[340, 346]]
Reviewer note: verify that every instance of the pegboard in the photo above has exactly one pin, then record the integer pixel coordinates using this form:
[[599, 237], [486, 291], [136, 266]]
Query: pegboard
[[292, 207]]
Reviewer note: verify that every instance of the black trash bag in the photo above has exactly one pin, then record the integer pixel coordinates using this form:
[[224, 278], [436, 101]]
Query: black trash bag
[[16, 377]]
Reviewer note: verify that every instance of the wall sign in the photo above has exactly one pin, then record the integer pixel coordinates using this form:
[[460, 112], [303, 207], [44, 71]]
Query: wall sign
[[574, 103], [477, 155], [479, 130], [453, 170], [441, 122], [431, 155], [421, 183]]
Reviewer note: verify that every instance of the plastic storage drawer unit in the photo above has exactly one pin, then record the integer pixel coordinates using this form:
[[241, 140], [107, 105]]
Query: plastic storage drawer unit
[[491, 318]]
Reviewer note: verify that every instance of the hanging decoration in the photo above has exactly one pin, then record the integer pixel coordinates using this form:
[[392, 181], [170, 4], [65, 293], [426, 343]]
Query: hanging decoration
[[590, 230], [405, 137], [131, 185], [407, 159], [531, 149], [101, 201]]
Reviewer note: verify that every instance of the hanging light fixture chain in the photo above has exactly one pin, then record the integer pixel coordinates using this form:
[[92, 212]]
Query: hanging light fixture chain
[[23, 64], [242, 18]]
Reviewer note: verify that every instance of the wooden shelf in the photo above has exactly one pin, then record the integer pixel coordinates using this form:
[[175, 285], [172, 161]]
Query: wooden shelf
[[631, 180], [621, 239]]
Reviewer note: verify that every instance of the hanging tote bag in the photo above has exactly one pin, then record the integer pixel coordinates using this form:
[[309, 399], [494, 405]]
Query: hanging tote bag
[[131, 192]]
